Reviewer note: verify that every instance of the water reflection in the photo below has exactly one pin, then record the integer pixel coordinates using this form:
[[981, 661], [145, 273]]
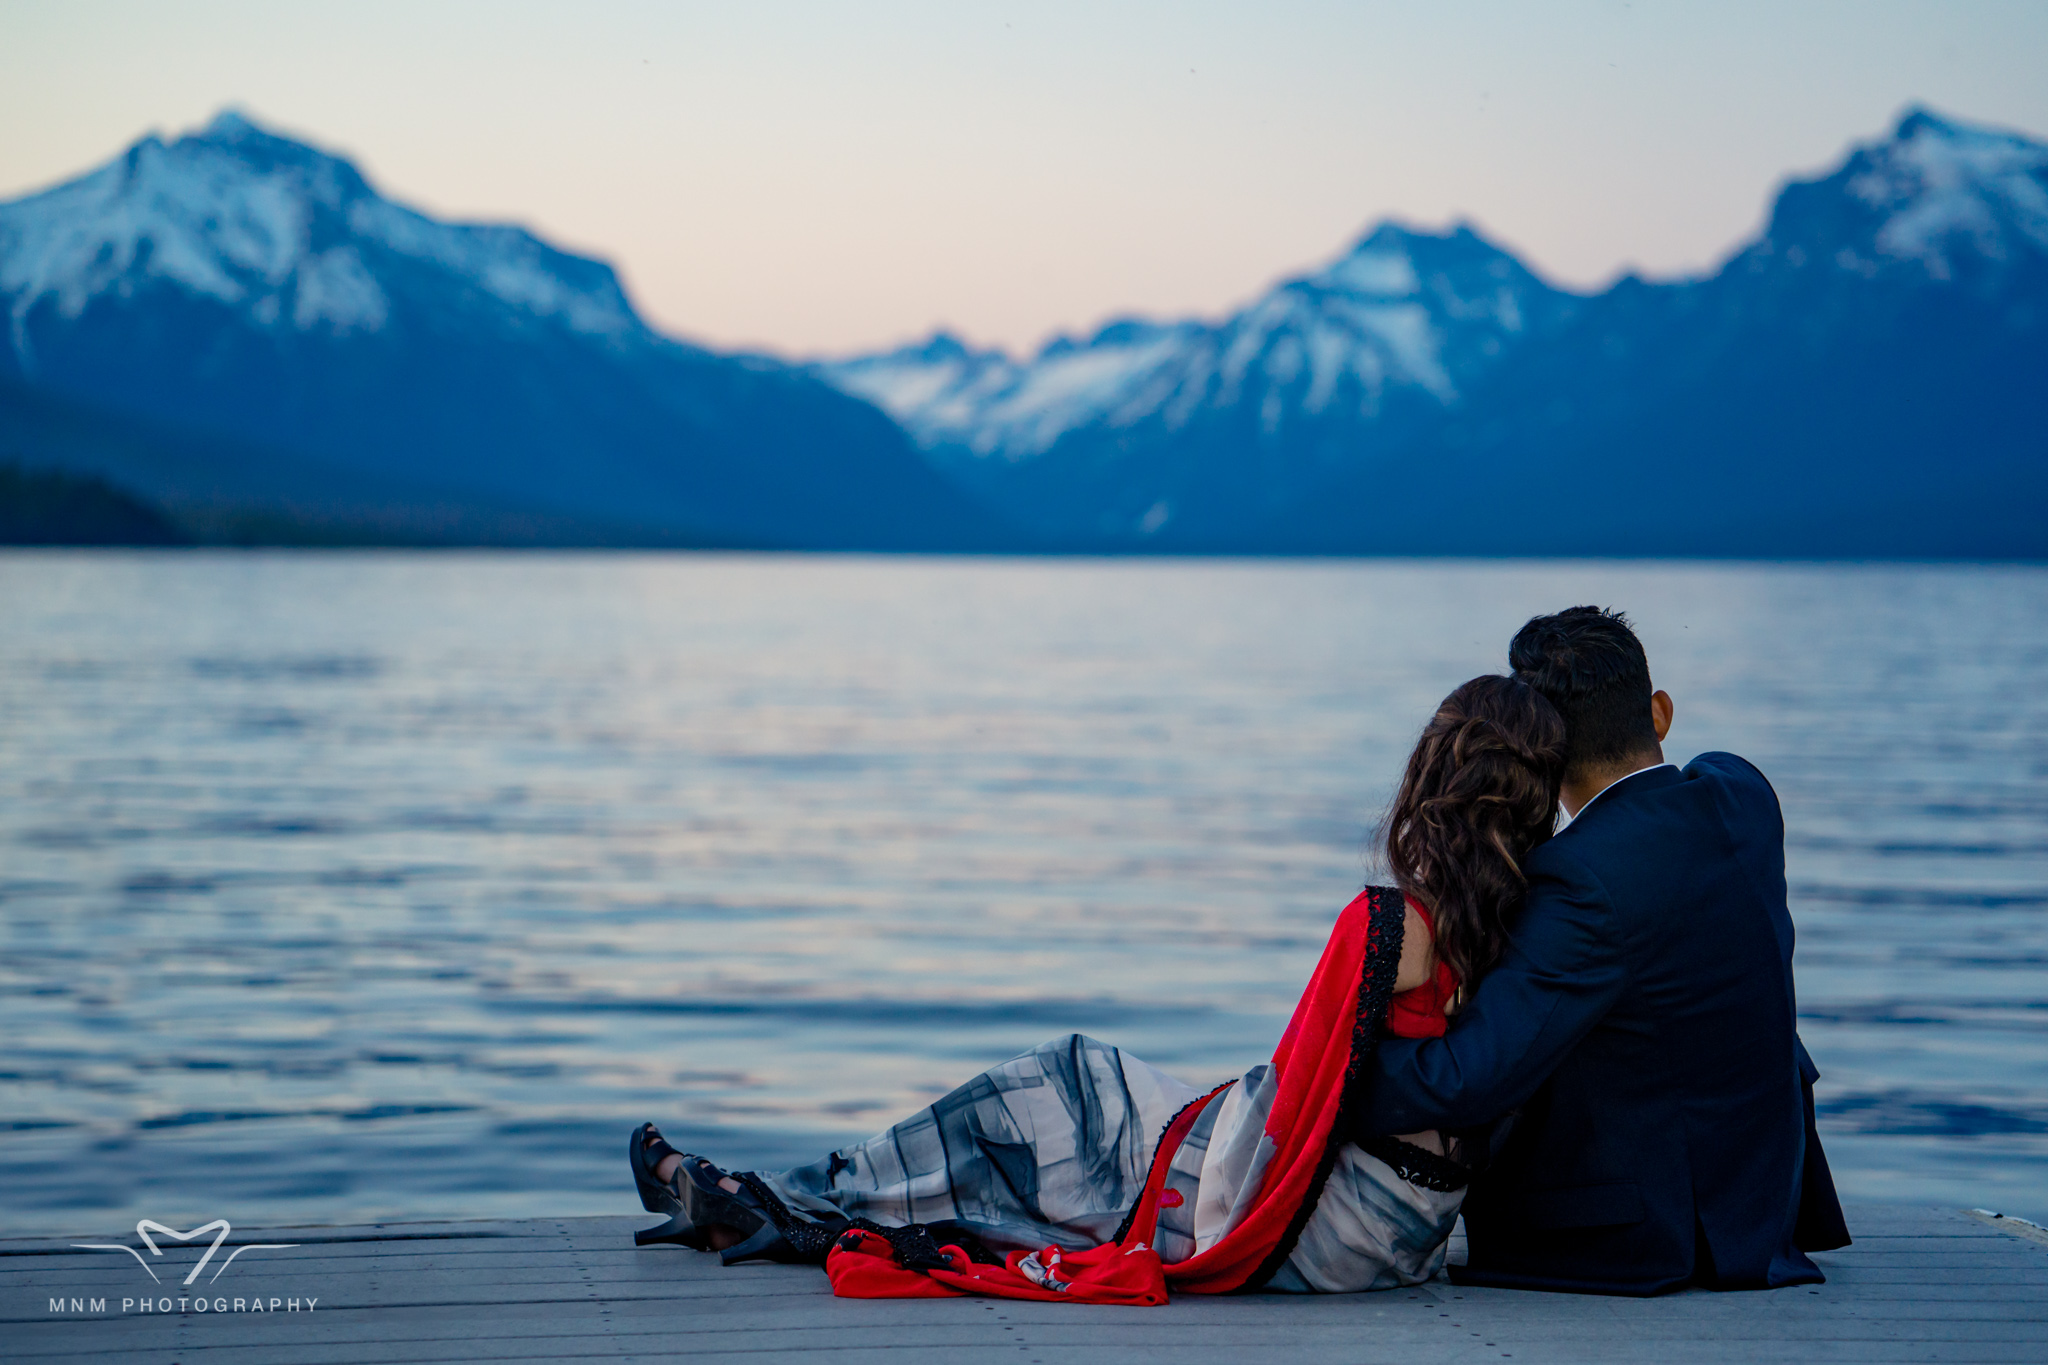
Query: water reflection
[[400, 885]]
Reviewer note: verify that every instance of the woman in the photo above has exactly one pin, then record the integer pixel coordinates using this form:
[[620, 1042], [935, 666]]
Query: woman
[[1075, 1156]]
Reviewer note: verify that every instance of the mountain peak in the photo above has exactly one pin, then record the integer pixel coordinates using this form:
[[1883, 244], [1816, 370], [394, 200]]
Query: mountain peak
[[286, 234], [1938, 196], [1382, 262], [1399, 322], [1917, 120], [232, 125], [1392, 258], [941, 345], [233, 143], [1400, 234], [1984, 148], [1942, 186]]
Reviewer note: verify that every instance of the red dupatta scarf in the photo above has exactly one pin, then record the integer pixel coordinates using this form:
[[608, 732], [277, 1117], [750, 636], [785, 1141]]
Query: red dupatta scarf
[[1329, 1037]]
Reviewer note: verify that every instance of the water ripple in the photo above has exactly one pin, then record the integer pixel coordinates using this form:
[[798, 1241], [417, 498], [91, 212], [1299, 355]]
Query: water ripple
[[325, 874]]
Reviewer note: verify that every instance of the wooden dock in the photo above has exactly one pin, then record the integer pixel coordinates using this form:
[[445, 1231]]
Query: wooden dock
[[1919, 1285]]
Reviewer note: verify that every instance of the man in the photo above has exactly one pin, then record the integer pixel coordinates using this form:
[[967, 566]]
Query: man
[[1636, 1044]]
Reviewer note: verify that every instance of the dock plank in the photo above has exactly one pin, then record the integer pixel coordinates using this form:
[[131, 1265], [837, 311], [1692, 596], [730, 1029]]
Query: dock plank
[[1920, 1285]]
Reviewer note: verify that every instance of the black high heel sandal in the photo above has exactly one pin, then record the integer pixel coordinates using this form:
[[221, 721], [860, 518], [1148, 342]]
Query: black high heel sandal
[[783, 1236], [645, 1155], [694, 1202]]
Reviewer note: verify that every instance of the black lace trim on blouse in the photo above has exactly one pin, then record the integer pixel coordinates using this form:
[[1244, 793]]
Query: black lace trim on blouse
[[1416, 1165]]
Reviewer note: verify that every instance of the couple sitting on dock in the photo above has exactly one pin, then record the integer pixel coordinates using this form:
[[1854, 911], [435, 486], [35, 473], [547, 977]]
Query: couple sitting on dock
[[1581, 1038]]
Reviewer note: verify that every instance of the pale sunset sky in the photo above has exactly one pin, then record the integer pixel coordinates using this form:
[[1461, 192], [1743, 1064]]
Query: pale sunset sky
[[820, 178]]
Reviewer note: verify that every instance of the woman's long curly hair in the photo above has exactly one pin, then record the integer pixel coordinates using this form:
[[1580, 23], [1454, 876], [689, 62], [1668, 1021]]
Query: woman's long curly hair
[[1479, 793]]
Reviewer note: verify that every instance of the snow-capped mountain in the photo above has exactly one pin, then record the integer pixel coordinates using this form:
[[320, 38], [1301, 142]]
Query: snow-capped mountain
[[1939, 199], [1865, 378], [1318, 374], [278, 231], [236, 321], [240, 286], [985, 402], [1861, 378]]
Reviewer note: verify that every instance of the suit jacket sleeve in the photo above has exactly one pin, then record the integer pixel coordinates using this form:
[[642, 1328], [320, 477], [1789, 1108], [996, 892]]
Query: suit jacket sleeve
[[1560, 976]]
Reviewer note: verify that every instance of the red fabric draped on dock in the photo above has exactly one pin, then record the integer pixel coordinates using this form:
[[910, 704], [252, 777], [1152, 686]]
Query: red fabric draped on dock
[[1337, 1017]]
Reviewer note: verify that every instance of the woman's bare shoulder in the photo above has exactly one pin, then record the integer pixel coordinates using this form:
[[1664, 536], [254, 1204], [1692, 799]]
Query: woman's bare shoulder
[[1418, 952]]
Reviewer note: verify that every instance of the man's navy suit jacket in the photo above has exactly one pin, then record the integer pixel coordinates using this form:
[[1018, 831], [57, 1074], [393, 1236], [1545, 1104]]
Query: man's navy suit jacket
[[1639, 1036]]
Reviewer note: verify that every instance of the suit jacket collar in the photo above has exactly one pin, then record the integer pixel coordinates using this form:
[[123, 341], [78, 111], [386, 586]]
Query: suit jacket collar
[[1620, 793]]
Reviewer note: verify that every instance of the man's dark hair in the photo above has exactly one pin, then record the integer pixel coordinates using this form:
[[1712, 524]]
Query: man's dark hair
[[1590, 666]]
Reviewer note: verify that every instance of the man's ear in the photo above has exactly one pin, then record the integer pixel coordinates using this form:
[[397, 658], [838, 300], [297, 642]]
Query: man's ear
[[1660, 713]]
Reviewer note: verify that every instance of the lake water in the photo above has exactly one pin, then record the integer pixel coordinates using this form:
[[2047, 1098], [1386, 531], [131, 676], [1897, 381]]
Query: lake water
[[355, 886]]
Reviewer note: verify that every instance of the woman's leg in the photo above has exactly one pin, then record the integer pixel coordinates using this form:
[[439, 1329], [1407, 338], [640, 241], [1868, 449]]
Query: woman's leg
[[1050, 1147], [1372, 1229], [666, 1171]]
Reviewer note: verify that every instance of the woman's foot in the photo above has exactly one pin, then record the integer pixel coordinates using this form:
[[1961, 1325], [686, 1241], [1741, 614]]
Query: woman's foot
[[718, 1236], [665, 1172]]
